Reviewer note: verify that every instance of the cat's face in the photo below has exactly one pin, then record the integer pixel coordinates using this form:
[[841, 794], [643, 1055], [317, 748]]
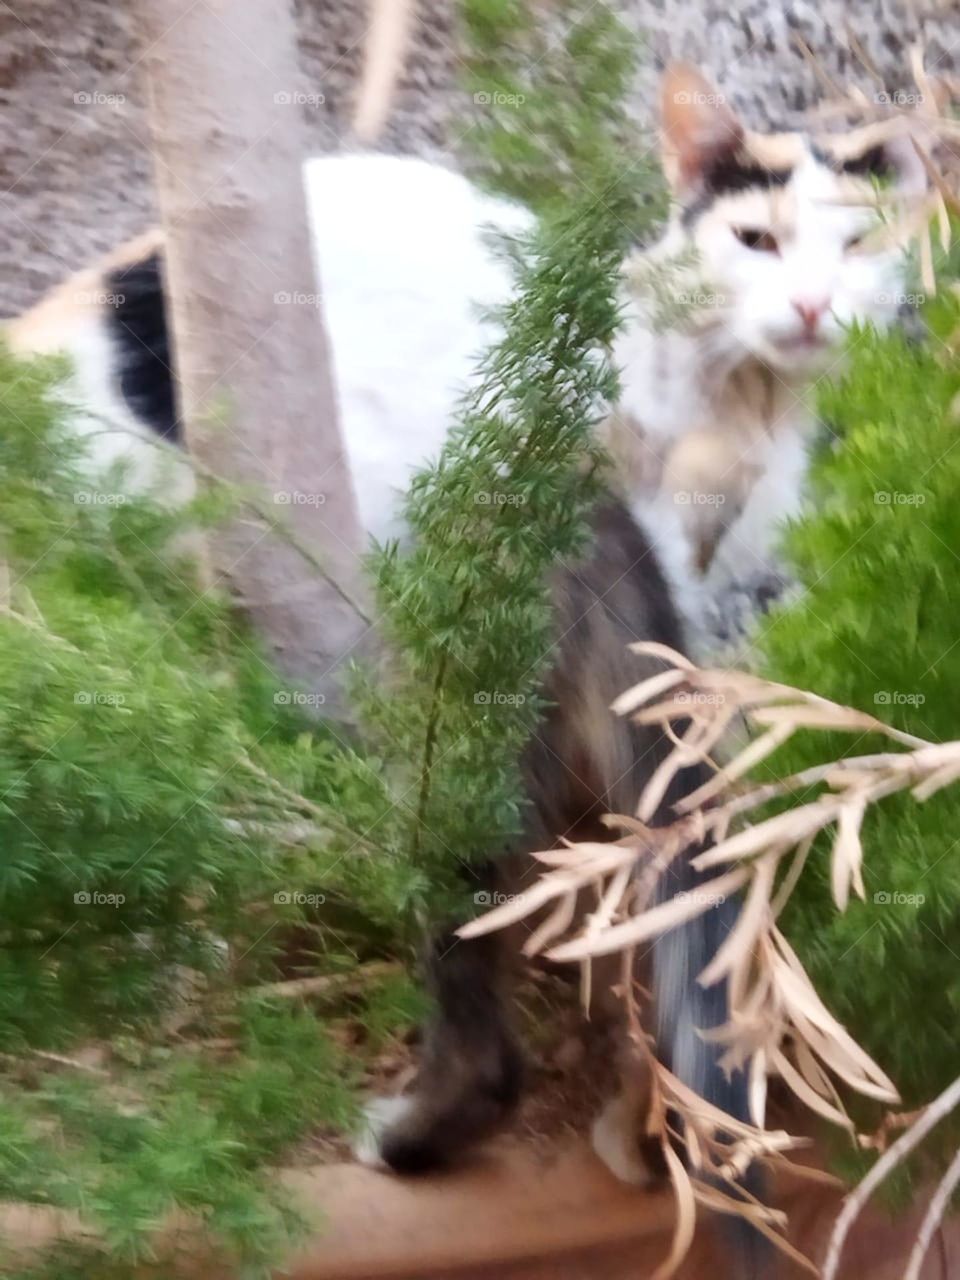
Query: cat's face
[[789, 243]]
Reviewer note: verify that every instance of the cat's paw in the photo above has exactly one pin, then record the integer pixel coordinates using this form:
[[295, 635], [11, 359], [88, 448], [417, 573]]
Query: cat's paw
[[732, 605], [614, 1139], [379, 1115]]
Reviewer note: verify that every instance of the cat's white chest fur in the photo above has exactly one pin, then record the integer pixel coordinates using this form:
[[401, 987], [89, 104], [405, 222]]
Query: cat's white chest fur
[[660, 384]]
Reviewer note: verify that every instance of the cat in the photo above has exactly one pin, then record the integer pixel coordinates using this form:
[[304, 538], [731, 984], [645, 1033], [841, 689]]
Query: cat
[[710, 433], [709, 438], [708, 448], [775, 236]]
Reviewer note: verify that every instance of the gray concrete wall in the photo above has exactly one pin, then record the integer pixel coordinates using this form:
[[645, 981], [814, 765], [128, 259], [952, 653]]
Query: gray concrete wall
[[75, 170]]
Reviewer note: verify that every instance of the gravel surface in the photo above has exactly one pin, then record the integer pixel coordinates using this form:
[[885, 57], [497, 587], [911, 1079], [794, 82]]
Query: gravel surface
[[74, 162]]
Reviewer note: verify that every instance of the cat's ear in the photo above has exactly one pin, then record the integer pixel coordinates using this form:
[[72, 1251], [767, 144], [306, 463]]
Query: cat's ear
[[699, 130]]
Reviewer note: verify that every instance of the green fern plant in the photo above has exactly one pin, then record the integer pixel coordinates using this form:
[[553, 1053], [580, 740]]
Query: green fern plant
[[876, 629], [176, 837]]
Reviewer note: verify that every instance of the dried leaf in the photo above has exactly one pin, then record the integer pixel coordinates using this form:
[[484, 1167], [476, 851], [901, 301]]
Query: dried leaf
[[556, 923], [794, 872], [654, 649], [847, 857], [807, 1094], [758, 1089], [751, 756], [645, 690], [650, 924], [937, 780], [549, 886], [686, 1215], [790, 827], [737, 948]]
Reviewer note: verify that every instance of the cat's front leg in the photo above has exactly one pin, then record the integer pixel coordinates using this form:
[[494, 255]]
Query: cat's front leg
[[708, 476], [748, 573]]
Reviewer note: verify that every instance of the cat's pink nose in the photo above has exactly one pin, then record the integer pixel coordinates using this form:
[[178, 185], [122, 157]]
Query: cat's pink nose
[[810, 311]]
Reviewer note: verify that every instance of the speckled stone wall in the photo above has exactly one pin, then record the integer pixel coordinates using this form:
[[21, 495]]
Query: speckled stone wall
[[75, 171]]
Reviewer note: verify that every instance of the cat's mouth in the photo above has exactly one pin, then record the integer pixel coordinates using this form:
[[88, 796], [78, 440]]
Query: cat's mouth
[[803, 341]]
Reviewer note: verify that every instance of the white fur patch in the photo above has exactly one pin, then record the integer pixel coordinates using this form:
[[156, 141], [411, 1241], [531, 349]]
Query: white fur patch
[[405, 270], [379, 1115], [614, 1139]]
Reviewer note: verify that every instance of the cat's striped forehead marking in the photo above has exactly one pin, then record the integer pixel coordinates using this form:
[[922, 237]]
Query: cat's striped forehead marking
[[767, 164]]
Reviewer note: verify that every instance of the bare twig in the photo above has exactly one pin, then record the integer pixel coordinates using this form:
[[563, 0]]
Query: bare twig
[[940, 1107]]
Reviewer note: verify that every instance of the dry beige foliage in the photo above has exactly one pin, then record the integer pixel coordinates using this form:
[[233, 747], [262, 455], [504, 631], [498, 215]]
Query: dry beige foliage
[[924, 121], [778, 1025]]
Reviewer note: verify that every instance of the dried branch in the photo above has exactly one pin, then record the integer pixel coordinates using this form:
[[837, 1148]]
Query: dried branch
[[777, 1025], [936, 1111]]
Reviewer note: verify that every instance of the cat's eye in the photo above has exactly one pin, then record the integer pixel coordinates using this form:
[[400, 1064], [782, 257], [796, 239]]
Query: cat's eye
[[757, 238], [855, 242]]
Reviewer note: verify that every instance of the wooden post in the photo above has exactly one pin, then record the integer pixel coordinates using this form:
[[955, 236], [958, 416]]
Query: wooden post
[[254, 364]]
